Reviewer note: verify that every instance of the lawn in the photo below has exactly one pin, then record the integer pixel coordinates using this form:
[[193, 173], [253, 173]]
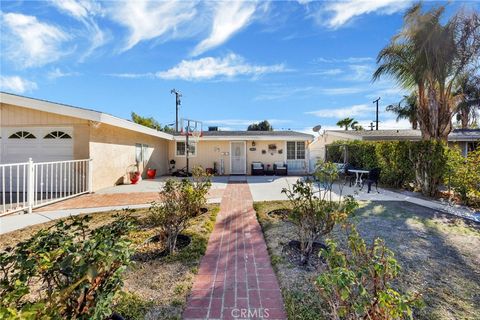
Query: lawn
[[153, 289], [438, 253]]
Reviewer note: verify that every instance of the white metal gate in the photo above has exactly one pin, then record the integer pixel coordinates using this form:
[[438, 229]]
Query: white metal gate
[[27, 185]]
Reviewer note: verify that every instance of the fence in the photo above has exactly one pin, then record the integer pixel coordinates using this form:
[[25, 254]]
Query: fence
[[28, 185]]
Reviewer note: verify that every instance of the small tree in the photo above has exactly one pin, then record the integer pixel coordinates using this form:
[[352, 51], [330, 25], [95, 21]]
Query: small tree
[[261, 126], [357, 283], [180, 201], [150, 122], [314, 213]]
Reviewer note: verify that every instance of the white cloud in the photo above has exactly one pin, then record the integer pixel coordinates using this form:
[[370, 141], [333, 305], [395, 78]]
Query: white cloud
[[16, 84], [84, 11], [341, 12], [342, 60], [148, 20], [340, 113], [57, 73], [29, 42], [230, 17], [230, 66], [328, 72]]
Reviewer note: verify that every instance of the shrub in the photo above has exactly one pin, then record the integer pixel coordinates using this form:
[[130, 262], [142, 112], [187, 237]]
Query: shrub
[[464, 176], [66, 271], [180, 201], [314, 215], [357, 284]]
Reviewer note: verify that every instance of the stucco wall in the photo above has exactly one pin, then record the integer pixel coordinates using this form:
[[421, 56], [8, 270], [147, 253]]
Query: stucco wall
[[14, 116], [113, 152], [213, 151]]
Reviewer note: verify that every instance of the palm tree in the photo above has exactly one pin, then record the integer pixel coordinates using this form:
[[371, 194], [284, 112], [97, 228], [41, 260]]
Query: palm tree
[[406, 109], [469, 91], [347, 123], [428, 57]]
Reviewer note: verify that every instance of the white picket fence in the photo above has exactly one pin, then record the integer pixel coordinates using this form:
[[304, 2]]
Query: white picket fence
[[28, 185]]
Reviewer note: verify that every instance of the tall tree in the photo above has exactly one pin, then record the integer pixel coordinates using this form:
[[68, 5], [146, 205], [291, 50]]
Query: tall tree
[[346, 123], [406, 109], [428, 57], [261, 126], [150, 122], [469, 92]]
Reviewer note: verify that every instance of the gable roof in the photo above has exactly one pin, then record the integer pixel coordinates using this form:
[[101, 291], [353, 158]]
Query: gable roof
[[253, 135], [78, 112], [403, 134]]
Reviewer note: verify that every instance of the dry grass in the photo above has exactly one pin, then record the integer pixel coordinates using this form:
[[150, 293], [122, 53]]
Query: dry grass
[[155, 289], [438, 253]]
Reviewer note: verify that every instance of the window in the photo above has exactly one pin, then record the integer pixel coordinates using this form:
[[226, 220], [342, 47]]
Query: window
[[57, 135], [192, 150], [22, 135], [295, 150]]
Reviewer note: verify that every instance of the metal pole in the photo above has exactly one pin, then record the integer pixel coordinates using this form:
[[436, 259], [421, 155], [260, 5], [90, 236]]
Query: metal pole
[[186, 144], [177, 106], [376, 116]]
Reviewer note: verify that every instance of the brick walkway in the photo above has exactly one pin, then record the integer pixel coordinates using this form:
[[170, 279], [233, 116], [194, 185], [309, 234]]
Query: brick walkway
[[235, 278]]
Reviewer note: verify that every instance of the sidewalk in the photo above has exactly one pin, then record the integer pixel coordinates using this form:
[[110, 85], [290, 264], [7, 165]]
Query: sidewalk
[[235, 278]]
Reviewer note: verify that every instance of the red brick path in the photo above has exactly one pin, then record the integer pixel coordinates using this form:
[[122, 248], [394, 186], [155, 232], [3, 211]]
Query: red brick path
[[235, 278]]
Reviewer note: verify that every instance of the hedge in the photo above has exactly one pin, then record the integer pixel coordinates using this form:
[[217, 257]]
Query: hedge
[[403, 164]]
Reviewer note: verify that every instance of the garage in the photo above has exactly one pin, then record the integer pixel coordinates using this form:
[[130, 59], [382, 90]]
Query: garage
[[42, 144]]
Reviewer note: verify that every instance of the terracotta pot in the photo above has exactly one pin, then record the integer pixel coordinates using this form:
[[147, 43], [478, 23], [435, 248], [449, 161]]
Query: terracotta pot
[[134, 177], [151, 173]]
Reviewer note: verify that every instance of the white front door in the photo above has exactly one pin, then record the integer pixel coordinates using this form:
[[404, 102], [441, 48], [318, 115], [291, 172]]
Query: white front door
[[238, 161]]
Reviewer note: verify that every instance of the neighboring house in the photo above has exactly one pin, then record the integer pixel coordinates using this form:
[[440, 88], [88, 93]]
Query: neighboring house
[[466, 139], [48, 131]]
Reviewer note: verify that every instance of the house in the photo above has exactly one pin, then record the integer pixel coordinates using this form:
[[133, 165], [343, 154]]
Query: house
[[466, 139], [47, 131], [234, 151]]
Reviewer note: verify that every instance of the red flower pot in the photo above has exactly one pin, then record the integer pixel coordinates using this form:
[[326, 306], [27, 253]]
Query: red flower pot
[[134, 177], [151, 173]]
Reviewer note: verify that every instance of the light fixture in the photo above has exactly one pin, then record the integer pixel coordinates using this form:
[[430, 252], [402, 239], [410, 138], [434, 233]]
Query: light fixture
[[253, 143]]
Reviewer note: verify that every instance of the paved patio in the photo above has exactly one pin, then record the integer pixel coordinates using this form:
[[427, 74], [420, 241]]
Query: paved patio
[[235, 278]]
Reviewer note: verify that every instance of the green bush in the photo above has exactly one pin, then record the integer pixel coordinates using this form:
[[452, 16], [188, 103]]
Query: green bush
[[66, 271], [402, 163], [357, 283], [315, 214], [464, 176], [180, 201], [131, 307]]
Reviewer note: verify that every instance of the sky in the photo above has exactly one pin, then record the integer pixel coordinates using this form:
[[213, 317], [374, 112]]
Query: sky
[[297, 64]]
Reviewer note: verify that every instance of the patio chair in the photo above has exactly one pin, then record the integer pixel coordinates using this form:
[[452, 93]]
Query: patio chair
[[280, 169], [347, 175], [373, 177], [258, 169]]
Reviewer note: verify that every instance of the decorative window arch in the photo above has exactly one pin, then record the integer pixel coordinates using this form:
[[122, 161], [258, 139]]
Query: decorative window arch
[[22, 135], [57, 135]]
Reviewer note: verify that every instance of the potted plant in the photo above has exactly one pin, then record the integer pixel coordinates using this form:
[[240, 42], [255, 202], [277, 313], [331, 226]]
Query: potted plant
[[151, 173]]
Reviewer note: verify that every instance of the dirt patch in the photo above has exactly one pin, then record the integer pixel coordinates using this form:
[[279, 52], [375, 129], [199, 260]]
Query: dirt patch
[[438, 253], [281, 214], [291, 251], [154, 248]]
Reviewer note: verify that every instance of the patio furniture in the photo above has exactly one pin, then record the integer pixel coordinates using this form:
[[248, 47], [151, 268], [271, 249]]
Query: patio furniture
[[258, 169], [373, 177], [280, 169], [358, 176], [346, 174]]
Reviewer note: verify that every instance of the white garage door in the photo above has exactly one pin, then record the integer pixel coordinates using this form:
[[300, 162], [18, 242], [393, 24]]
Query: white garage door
[[39, 143]]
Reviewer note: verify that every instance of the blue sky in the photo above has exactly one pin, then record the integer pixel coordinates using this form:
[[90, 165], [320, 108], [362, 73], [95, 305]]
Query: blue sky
[[297, 64]]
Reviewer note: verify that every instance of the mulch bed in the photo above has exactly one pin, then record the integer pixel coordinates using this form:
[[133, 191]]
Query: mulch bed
[[154, 248]]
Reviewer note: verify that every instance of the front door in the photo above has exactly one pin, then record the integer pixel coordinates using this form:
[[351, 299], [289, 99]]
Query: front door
[[238, 160]]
